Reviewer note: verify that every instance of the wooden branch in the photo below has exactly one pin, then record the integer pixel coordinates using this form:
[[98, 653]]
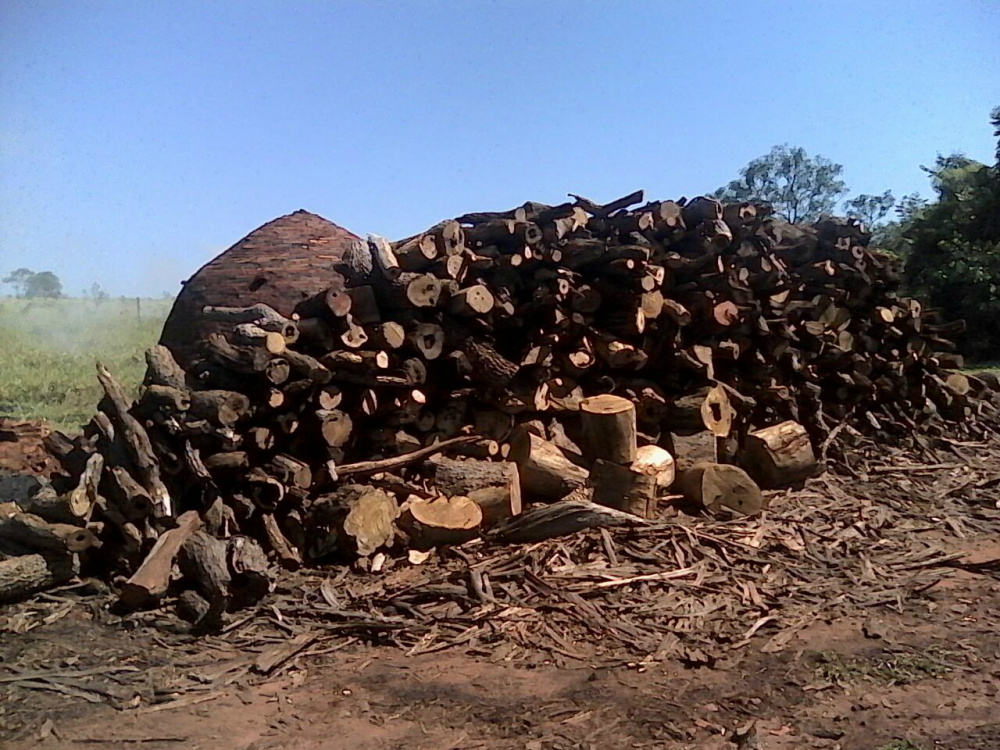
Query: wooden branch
[[406, 459]]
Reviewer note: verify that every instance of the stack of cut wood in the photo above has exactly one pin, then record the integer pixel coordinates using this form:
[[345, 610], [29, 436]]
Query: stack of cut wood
[[551, 350]]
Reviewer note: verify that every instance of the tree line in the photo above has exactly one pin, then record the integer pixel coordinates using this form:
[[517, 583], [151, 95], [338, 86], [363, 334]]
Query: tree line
[[949, 245]]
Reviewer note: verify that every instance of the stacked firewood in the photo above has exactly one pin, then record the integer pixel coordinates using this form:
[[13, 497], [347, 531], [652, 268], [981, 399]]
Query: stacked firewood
[[553, 351]]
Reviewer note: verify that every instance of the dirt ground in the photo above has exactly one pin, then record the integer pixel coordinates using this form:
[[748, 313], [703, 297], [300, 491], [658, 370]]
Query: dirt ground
[[910, 674]]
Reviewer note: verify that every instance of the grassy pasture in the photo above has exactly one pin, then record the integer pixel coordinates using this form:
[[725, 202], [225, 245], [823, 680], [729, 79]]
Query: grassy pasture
[[48, 349]]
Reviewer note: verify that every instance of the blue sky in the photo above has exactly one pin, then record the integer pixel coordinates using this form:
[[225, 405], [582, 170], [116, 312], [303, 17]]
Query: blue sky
[[139, 139]]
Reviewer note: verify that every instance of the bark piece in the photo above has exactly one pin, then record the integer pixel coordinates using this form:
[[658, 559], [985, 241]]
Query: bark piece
[[624, 489], [560, 519], [494, 486]]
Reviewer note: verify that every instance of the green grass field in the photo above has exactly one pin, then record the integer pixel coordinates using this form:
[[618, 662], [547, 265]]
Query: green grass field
[[48, 349]]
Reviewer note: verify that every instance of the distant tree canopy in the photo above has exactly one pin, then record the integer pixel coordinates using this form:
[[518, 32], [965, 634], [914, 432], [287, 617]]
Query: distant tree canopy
[[798, 186], [31, 285], [952, 246]]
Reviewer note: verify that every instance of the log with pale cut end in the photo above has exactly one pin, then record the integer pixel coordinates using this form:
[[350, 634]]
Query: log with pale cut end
[[779, 456], [35, 533], [75, 506], [443, 520], [471, 301], [609, 429], [250, 334], [224, 408], [152, 579], [492, 485], [721, 488], [162, 400], [622, 488], [384, 257], [545, 471], [260, 315], [335, 427], [25, 575], [656, 462], [428, 338], [353, 520], [717, 413]]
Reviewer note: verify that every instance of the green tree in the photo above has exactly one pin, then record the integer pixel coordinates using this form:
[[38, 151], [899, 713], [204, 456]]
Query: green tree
[[18, 279], [870, 209], [798, 186], [44, 284], [952, 247]]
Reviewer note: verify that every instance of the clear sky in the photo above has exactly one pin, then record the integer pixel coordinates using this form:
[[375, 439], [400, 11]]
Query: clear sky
[[139, 139]]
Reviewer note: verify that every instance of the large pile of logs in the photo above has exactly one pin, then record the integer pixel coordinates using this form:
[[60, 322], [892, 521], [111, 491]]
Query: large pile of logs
[[552, 351]]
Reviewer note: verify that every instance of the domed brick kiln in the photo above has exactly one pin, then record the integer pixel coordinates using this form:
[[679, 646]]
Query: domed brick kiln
[[280, 264]]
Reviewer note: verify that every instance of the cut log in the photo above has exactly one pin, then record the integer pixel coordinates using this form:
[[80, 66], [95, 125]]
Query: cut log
[[494, 486], [609, 429], [622, 488], [545, 471], [260, 315], [471, 301], [654, 461], [75, 506], [34, 533], [354, 520], [152, 578], [224, 408], [444, 520], [25, 575], [721, 488], [779, 456]]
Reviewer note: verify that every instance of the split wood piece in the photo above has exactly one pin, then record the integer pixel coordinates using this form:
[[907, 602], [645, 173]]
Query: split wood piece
[[24, 575], [202, 560], [545, 471], [384, 257], [353, 520], [135, 437], [249, 334], [251, 577], [330, 304], [560, 519], [620, 487], [494, 486], [406, 459], [35, 533], [609, 429], [779, 456], [162, 369], [261, 315], [721, 488], [287, 554], [443, 520], [152, 579], [224, 408]]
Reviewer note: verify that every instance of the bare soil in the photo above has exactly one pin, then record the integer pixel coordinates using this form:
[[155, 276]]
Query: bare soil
[[914, 671]]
